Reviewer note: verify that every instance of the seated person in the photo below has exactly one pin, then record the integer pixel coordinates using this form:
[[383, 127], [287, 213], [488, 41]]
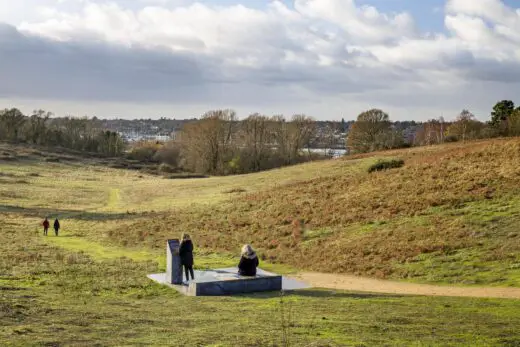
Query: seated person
[[248, 262]]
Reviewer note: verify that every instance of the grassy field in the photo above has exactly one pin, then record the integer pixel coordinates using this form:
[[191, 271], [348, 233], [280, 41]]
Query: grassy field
[[58, 293], [450, 215]]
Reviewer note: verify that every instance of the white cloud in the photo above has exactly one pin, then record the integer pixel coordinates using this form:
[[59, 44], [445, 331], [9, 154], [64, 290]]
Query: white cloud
[[361, 24], [334, 49]]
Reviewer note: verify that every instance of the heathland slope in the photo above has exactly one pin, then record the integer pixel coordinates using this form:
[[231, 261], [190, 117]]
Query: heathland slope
[[450, 215], [82, 289]]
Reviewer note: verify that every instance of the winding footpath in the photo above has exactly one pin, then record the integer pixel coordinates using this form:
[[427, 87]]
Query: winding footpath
[[361, 284]]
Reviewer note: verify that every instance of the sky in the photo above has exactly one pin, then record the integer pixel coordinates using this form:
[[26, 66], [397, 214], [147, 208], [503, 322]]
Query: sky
[[329, 59]]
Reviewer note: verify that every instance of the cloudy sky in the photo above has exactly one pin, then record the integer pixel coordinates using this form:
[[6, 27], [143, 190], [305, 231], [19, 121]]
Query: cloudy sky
[[325, 58]]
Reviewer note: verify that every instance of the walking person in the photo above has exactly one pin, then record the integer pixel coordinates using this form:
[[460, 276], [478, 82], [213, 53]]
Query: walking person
[[45, 226], [248, 261], [56, 226], [186, 255]]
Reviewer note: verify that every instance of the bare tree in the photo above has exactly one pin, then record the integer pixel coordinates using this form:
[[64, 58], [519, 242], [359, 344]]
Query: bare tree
[[431, 132], [207, 144], [369, 132], [11, 122], [279, 129], [513, 123], [465, 127], [301, 130], [37, 126], [256, 141]]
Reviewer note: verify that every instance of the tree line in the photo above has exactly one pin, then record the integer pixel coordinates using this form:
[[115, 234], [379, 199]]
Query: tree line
[[374, 131], [39, 128], [220, 144]]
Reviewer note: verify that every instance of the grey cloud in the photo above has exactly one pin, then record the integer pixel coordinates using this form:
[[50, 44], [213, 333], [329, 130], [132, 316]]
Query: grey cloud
[[36, 68], [493, 71], [40, 68], [460, 59]]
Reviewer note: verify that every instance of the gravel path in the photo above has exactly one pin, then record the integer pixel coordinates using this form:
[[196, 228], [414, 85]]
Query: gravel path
[[347, 282]]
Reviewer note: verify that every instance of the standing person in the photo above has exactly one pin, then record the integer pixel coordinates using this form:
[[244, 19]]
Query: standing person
[[56, 226], [248, 262], [45, 226], [186, 254]]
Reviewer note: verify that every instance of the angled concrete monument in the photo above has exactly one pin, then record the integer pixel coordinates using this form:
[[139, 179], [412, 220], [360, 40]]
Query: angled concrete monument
[[228, 281], [219, 281], [173, 262]]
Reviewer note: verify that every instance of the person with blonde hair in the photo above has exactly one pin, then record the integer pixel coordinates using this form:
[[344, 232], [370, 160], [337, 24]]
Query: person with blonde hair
[[248, 261], [186, 255]]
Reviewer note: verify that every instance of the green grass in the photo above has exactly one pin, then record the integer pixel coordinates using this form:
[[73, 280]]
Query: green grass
[[446, 200], [421, 223], [205, 259], [55, 296], [490, 262]]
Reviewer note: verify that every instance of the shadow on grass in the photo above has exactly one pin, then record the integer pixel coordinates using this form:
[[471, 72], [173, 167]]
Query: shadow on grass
[[73, 214], [318, 293]]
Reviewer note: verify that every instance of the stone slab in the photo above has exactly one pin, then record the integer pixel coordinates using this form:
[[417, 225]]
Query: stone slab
[[173, 262], [227, 282]]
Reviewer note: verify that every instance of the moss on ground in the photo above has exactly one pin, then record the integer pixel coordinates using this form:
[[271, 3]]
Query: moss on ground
[[453, 222], [55, 296]]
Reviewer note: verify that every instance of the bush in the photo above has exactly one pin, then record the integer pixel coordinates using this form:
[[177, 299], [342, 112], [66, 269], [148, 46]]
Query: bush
[[169, 154], [386, 164], [165, 168], [451, 138], [143, 152]]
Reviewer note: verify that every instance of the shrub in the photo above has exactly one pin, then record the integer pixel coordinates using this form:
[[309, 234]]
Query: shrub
[[167, 168], [144, 151], [169, 154], [451, 138], [386, 164]]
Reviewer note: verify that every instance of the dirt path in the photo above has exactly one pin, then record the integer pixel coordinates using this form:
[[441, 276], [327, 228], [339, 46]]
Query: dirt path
[[346, 282]]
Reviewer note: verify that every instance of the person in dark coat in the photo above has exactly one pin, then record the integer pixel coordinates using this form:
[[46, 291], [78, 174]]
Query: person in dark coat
[[186, 254], [248, 262], [56, 226], [45, 226]]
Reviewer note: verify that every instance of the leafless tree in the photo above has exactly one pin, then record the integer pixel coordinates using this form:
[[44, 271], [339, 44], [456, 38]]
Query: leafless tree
[[256, 140], [207, 144], [465, 127], [370, 132], [11, 124]]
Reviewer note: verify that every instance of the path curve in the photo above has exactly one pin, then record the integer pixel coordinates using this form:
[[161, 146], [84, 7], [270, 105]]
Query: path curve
[[354, 283]]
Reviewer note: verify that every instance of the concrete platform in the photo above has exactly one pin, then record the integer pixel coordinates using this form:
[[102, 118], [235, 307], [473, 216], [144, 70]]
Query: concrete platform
[[227, 281]]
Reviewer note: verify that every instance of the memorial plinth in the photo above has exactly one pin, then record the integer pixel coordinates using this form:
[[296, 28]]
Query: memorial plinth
[[220, 281], [228, 281]]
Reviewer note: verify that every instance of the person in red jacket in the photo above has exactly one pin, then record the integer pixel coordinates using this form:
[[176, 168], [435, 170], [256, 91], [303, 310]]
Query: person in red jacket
[[45, 226]]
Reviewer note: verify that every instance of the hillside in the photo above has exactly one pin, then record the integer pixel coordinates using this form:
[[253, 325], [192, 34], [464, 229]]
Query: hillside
[[450, 215]]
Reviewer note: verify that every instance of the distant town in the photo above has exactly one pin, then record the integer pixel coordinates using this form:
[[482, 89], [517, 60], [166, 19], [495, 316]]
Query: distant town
[[330, 136]]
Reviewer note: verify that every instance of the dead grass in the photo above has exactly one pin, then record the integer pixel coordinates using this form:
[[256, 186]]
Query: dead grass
[[406, 213], [452, 206], [54, 296]]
